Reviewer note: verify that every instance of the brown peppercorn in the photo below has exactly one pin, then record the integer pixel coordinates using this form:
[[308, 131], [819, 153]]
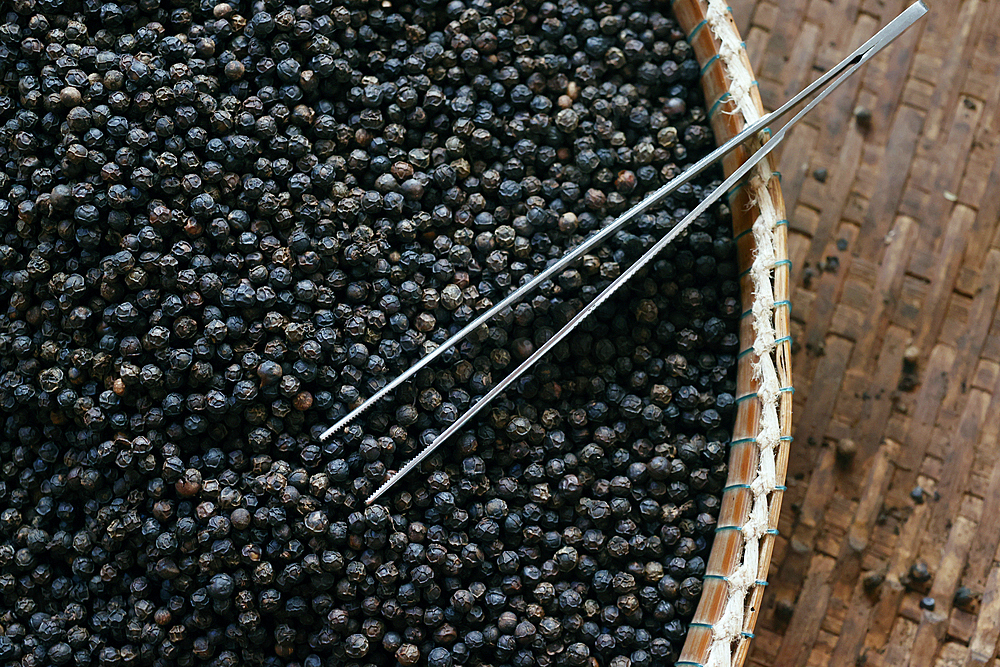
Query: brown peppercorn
[[847, 449], [163, 510], [626, 182], [193, 228], [872, 580], [205, 510], [863, 115], [240, 519], [594, 199], [402, 170], [647, 312], [446, 634], [303, 401], [189, 484], [234, 70], [70, 96], [408, 655]]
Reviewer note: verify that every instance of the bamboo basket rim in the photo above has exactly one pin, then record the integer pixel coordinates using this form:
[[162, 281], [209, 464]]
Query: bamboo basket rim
[[719, 634]]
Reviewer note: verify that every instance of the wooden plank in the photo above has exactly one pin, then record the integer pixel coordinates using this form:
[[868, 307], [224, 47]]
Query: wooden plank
[[795, 566], [754, 40], [991, 348], [827, 287], [930, 634], [847, 322], [835, 193], [942, 182], [858, 617], [865, 355], [987, 542], [903, 633], [984, 226], [956, 319], [957, 464], [951, 655], [970, 342], [884, 625], [986, 374], [886, 75], [795, 170], [972, 505], [838, 44], [783, 36], [797, 71], [943, 273], [983, 646], [961, 625], [816, 415], [912, 295], [884, 375], [934, 383], [901, 146], [918, 93], [805, 622]]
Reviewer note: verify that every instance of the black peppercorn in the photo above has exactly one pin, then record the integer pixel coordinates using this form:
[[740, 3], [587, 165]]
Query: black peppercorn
[[299, 202]]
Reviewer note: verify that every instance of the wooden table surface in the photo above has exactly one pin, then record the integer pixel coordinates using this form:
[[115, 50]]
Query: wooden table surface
[[895, 244]]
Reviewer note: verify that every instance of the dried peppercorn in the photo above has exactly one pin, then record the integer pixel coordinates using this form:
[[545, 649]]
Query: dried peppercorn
[[300, 200]]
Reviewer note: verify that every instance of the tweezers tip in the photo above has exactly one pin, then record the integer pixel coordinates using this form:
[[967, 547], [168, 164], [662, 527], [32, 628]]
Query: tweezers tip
[[342, 424], [381, 490], [329, 433]]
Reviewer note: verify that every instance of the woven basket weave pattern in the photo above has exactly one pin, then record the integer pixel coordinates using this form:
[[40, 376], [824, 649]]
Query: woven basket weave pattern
[[723, 624]]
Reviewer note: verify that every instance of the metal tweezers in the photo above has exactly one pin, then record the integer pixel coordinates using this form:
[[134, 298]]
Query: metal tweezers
[[838, 74]]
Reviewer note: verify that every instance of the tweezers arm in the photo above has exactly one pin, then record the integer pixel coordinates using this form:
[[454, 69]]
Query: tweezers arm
[[859, 56], [846, 69]]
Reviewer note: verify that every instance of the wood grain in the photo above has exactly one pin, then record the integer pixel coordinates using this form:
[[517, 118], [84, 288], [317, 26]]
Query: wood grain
[[896, 245]]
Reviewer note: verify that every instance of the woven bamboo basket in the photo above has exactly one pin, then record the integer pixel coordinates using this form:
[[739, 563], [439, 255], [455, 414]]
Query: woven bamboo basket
[[720, 633]]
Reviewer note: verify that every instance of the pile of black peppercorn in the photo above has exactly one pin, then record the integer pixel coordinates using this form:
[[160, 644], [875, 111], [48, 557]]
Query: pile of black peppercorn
[[224, 224]]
